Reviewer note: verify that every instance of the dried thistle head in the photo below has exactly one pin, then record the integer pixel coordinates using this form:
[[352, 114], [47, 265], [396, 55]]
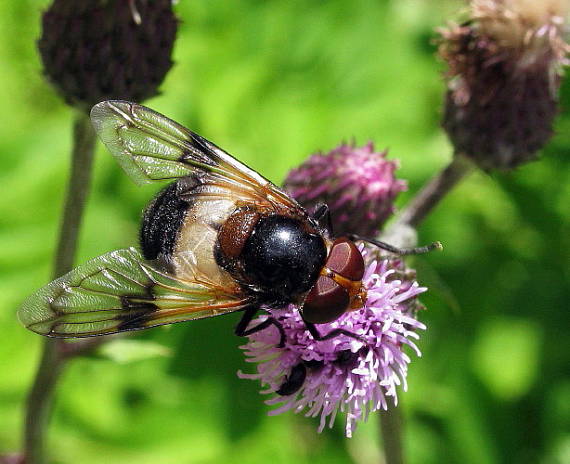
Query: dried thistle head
[[504, 72], [534, 29], [96, 50]]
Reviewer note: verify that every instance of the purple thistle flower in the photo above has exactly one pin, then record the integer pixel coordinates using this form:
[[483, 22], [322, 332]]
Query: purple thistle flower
[[355, 377], [357, 183]]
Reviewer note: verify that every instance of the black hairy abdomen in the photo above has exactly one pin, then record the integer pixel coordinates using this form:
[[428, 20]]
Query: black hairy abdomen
[[162, 221]]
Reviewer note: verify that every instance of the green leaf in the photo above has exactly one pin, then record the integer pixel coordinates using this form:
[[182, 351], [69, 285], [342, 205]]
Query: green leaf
[[128, 351], [505, 356]]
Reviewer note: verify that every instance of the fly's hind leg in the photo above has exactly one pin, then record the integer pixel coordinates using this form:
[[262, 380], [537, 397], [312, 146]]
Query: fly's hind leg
[[241, 329]]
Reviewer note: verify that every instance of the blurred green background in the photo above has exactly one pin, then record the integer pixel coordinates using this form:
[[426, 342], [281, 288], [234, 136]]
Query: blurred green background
[[273, 81]]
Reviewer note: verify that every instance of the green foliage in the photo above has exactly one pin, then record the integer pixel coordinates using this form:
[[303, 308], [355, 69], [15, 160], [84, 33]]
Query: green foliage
[[272, 82], [505, 342]]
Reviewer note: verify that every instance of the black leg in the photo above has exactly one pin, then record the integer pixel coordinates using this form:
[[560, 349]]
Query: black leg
[[294, 380], [395, 250], [241, 329], [333, 333], [322, 215]]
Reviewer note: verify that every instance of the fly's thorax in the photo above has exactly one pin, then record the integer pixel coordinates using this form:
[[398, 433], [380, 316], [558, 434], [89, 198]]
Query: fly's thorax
[[277, 257]]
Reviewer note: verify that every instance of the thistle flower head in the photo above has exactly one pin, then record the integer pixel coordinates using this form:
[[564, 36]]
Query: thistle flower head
[[533, 29], [321, 378], [357, 183], [504, 71], [97, 50]]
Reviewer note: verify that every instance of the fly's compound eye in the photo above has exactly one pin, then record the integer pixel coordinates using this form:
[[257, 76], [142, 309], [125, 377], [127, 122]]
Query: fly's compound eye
[[331, 296], [345, 259], [326, 301]]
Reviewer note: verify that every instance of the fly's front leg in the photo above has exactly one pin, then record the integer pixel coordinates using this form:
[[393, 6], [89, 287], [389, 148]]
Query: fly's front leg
[[322, 215], [333, 333]]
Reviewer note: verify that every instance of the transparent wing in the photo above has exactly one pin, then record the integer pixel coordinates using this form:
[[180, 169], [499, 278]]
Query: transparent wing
[[150, 147], [120, 291]]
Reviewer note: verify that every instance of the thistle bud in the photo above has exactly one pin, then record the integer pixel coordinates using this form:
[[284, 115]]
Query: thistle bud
[[97, 50], [357, 183], [504, 72]]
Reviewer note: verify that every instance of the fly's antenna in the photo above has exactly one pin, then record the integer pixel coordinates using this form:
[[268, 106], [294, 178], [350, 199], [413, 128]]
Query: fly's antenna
[[399, 251]]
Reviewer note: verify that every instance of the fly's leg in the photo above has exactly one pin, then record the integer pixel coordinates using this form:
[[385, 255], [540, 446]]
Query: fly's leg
[[294, 380], [333, 333], [322, 215], [241, 329]]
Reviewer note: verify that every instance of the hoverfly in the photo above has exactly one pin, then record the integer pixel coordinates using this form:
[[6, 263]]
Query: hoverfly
[[219, 238]]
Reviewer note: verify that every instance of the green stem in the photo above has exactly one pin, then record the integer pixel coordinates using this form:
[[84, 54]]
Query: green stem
[[77, 190], [434, 191], [391, 428], [402, 233], [39, 402], [55, 352]]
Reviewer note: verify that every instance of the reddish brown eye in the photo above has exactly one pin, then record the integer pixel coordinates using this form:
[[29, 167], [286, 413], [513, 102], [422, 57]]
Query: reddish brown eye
[[326, 302], [346, 260]]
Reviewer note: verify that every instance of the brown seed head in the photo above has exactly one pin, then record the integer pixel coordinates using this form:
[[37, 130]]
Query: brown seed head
[[95, 50], [504, 71]]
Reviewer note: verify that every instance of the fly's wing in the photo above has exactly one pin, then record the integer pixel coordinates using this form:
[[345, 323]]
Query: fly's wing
[[150, 147], [120, 291]]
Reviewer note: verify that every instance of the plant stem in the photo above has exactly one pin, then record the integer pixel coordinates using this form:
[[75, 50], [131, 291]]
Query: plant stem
[[391, 427], [402, 234], [39, 402], [435, 190], [77, 190], [55, 353]]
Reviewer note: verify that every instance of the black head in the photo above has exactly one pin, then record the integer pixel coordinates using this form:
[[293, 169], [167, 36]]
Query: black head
[[283, 256]]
